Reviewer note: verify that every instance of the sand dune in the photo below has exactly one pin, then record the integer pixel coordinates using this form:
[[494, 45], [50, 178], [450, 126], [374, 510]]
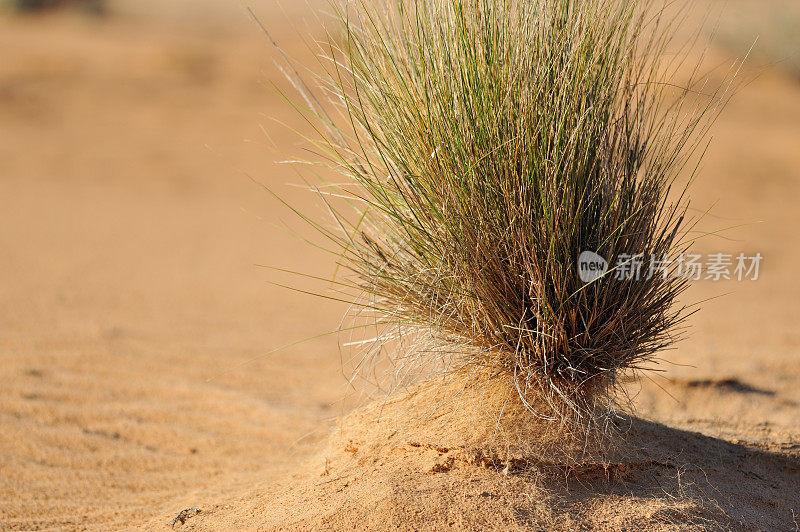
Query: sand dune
[[661, 478], [130, 233]]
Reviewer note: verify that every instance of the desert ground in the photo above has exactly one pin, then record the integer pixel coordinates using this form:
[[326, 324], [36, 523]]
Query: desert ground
[[134, 314]]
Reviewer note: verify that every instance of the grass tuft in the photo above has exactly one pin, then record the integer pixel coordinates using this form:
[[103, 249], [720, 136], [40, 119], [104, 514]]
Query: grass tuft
[[480, 147]]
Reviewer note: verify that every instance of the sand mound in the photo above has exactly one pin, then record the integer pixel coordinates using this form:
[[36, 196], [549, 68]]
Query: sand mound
[[379, 471]]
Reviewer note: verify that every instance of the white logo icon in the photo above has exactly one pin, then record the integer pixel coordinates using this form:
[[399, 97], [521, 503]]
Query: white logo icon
[[591, 266]]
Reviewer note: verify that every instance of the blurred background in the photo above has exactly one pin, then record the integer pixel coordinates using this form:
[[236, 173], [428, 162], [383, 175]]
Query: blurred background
[[132, 138]]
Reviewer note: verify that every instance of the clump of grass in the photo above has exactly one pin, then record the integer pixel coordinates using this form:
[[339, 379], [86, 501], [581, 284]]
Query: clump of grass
[[481, 146]]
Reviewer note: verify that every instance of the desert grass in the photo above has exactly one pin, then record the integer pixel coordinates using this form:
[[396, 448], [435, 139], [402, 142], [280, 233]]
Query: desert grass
[[479, 146]]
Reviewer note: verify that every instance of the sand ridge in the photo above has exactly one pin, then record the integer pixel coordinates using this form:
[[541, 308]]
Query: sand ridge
[[375, 474]]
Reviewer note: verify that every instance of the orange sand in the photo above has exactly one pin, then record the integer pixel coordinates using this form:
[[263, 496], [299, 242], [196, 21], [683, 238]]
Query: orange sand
[[129, 235]]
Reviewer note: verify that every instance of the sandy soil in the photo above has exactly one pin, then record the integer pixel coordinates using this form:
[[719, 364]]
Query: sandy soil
[[130, 231]]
